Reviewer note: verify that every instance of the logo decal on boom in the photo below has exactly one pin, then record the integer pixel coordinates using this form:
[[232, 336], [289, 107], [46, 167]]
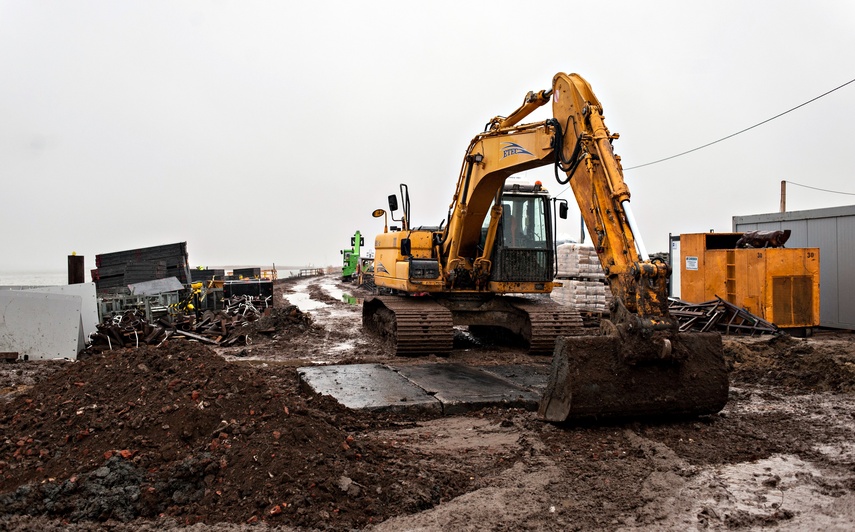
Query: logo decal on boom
[[512, 148]]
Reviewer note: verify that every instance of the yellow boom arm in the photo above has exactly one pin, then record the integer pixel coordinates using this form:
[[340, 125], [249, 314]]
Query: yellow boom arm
[[577, 141]]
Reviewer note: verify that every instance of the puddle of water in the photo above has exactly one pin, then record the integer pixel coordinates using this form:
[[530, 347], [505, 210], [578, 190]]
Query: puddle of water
[[304, 302], [345, 346], [758, 488], [839, 450], [333, 291]]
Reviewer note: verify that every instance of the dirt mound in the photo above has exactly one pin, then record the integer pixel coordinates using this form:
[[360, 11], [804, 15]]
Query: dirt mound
[[319, 294], [799, 365], [179, 431], [289, 320]]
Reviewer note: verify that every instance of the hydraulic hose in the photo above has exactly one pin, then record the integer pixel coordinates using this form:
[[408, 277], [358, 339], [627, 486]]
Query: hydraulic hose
[[566, 166]]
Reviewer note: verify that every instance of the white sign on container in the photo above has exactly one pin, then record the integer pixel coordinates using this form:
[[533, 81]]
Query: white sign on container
[[691, 263]]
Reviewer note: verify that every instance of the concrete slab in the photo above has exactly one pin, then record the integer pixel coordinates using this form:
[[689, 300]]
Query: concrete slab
[[440, 388], [532, 377], [368, 387], [464, 388]]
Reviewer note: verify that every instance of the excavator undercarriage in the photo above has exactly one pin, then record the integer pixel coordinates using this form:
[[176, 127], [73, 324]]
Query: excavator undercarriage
[[425, 325]]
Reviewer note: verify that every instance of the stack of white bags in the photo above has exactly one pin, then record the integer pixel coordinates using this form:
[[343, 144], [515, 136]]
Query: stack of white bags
[[583, 280], [578, 260]]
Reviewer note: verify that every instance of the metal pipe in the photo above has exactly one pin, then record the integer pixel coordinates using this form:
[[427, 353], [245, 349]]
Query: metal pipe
[[470, 160], [636, 235]]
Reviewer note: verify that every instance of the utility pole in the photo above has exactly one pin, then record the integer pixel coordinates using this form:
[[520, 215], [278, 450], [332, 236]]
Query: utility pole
[[783, 196]]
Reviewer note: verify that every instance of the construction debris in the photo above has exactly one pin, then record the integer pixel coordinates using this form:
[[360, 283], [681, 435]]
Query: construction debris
[[225, 328], [718, 315], [259, 288], [763, 239], [207, 274]]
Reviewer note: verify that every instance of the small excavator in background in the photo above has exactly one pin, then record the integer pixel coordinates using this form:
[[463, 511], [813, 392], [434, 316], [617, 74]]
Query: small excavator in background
[[496, 247], [350, 260]]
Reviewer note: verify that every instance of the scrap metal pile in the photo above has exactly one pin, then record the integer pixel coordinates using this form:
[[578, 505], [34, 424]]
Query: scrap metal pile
[[718, 315], [224, 328]]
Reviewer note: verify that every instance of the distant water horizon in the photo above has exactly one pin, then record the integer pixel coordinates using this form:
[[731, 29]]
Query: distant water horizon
[[60, 277], [33, 277]]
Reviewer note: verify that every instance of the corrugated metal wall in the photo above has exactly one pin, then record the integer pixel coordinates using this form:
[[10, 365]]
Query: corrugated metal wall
[[833, 232]]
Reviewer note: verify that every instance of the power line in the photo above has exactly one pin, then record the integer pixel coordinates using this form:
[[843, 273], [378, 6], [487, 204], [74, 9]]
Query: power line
[[821, 189], [741, 131]]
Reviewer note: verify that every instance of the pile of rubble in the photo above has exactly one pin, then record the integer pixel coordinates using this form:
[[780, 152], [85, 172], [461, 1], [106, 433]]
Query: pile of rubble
[[224, 328], [718, 315]]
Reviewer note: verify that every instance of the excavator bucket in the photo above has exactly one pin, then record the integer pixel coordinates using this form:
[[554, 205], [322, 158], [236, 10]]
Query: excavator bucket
[[597, 377]]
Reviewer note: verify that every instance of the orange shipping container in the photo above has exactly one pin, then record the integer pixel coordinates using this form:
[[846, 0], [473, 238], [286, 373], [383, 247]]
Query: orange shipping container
[[780, 285]]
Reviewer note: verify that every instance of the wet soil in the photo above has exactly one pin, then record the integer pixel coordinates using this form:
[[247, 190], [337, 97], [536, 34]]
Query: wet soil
[[225, 439]]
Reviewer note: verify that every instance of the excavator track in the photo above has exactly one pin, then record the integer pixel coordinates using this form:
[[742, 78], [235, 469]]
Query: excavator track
[[420, 325], [548, 320], [412, 325]]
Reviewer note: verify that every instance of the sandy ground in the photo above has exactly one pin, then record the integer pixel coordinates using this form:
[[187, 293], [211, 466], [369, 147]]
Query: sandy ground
[[780, 455]]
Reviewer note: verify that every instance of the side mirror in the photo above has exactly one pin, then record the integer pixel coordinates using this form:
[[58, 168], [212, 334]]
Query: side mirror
[[562, 210], [377, 214], [393, 202], [406, 247]]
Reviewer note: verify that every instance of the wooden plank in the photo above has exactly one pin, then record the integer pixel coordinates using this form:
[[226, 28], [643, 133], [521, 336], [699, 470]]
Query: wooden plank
[[198, 337]]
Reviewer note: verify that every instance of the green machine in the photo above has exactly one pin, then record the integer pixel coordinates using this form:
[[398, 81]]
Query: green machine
[[350, 257]]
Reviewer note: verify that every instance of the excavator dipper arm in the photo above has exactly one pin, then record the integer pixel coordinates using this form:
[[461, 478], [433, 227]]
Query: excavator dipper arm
[[639, 365]]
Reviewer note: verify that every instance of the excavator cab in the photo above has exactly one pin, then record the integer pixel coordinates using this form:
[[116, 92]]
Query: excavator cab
[[524, 249]]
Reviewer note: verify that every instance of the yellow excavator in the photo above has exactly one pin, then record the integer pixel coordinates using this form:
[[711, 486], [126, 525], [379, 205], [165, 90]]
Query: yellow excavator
[[487, 265]]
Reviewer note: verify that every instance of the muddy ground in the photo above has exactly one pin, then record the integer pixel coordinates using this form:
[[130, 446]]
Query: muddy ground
[[186, 437]]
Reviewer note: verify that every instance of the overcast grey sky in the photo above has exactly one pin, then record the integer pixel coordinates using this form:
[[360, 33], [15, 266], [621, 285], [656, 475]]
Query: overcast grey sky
[[267, 132]]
